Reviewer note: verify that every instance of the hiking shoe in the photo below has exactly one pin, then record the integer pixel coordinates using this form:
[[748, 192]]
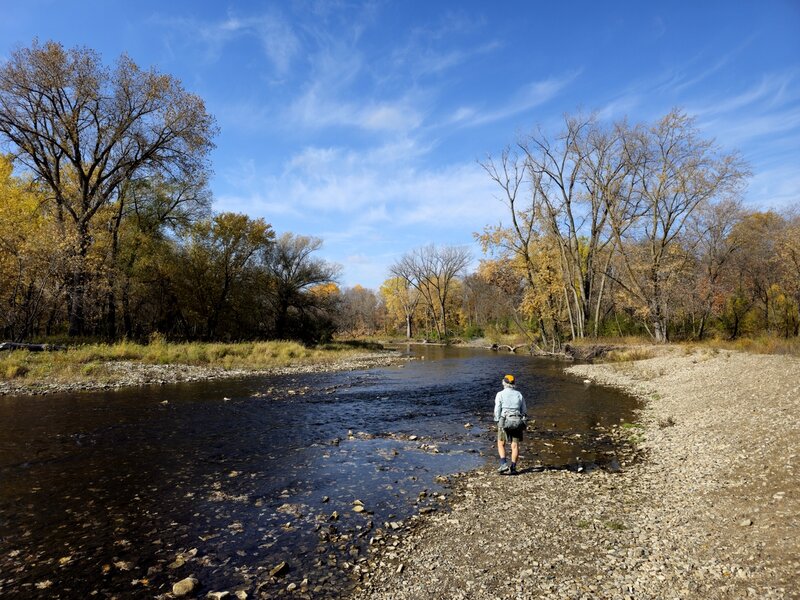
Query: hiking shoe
[[512, 471], [504, 468]]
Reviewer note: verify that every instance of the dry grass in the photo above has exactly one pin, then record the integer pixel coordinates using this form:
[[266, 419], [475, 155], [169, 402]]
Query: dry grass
[[764, 344], [91, 361], [629, 355]]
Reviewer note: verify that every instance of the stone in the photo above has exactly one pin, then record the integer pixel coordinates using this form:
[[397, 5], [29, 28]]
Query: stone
[[218, 595], [184, 586], [279, 569], [746, 522]]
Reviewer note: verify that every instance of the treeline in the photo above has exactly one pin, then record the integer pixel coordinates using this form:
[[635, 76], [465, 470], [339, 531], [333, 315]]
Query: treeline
[[613, 229], [157, 266], [108, 233], [608, 229]]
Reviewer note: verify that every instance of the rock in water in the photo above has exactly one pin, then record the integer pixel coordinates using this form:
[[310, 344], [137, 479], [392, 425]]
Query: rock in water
[[279, 569], [184, 586]]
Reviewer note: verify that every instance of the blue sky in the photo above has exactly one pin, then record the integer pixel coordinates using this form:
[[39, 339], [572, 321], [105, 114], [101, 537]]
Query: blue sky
[[362, 122]]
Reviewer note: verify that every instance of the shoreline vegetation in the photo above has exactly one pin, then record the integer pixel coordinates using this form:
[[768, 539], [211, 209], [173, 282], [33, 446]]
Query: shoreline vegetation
[[110, 366], [710, 511], [97, 366]]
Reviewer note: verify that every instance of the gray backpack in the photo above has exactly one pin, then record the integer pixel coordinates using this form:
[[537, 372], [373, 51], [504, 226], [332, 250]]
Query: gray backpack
[[513, 422]]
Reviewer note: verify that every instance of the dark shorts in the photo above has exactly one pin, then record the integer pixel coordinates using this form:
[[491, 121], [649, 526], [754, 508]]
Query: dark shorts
[[510, 435]]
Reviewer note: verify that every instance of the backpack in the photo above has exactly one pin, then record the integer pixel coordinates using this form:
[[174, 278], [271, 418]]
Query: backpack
[[513, 422]]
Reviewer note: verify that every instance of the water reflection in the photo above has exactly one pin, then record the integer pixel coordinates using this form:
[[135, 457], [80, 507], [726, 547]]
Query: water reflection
[[127, 492]]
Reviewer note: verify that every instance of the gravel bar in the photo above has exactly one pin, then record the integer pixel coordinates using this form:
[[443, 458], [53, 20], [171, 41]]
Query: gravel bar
[[710, 512]]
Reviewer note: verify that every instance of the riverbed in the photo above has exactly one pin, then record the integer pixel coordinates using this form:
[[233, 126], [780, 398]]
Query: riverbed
[[262, 484]]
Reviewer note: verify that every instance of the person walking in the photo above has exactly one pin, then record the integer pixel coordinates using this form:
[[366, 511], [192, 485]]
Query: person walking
[[510, 414]]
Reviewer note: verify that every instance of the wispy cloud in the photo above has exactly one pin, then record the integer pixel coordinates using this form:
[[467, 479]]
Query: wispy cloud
[[318, 108], [774, 89], [280, 43], [526, 98]]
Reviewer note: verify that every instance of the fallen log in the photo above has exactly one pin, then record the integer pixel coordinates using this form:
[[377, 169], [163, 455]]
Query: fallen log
[[30, 347]]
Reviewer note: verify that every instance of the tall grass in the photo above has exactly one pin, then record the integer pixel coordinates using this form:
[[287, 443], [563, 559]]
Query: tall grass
[[763, 344], [91, 360]]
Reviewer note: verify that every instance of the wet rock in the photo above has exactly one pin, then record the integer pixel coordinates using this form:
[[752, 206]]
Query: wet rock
[[218, 595], [280, 569], [184, 586]]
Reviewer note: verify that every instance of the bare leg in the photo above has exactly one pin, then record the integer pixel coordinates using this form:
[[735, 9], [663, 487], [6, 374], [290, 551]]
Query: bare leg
[[501, 449], [514, 451]]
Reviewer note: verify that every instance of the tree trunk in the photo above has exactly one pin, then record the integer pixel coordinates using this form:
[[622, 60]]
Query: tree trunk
[[77, 285]]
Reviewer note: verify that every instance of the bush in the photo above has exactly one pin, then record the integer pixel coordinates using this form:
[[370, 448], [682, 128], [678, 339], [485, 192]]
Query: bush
[[472, 332]]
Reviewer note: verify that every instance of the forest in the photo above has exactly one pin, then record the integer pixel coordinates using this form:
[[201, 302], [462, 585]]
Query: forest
[[607, 229]]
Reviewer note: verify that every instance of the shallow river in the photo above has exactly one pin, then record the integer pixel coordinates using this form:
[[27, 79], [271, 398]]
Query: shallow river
[[124, 493]]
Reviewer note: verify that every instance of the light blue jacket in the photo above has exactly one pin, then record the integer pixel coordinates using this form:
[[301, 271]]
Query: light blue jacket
[[508, 401]]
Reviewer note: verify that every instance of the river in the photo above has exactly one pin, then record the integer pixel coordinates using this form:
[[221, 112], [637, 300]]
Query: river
[[124, 493]]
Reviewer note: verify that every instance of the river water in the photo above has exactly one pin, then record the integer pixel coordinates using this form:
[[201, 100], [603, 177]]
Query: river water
[[123, 493]]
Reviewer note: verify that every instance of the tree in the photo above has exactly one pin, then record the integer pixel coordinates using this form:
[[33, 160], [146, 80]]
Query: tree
[[30, 255], [293, 272], [574, 177], [217, 258], [710, 230], [520, 244], [431, 271], [84, 130], [358, 311], [675, 171], [401, 298]]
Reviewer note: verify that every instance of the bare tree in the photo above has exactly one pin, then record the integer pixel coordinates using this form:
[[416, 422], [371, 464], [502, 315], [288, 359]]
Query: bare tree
[[709, 231], [84, 129], [575, 177], [521, 238], [675, 172], [431, 271]]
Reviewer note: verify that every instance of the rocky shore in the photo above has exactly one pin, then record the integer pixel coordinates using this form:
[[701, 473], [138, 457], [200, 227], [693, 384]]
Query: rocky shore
[[712, 510], [130, 373]]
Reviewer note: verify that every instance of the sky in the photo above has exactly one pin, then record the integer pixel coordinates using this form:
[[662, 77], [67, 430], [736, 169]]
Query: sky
[[364, 123]]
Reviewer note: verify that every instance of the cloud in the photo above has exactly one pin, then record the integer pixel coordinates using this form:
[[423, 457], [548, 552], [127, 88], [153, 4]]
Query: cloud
[[319, 108], [280, 43], [526, 98], [777, 187], [774, 88]]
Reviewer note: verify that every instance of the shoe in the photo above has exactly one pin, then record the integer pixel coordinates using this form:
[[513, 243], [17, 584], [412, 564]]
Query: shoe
[[504, 468], [512, 471]]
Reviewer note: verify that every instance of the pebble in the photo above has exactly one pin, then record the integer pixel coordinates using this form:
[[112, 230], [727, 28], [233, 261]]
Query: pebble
[[663, 527], [184, 586]]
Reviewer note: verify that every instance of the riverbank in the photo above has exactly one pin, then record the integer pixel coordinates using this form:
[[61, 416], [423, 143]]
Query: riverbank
[[99, 366], [711, 512]]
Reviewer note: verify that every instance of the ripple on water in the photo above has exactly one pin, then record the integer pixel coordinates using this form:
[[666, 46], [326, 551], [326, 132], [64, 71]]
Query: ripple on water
[[117, 492]]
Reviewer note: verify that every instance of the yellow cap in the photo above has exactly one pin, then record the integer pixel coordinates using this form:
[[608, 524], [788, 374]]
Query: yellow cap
[[509, 379]]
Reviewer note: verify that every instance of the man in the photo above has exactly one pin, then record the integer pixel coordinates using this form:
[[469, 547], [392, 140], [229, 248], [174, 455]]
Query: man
[[509, 407]]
